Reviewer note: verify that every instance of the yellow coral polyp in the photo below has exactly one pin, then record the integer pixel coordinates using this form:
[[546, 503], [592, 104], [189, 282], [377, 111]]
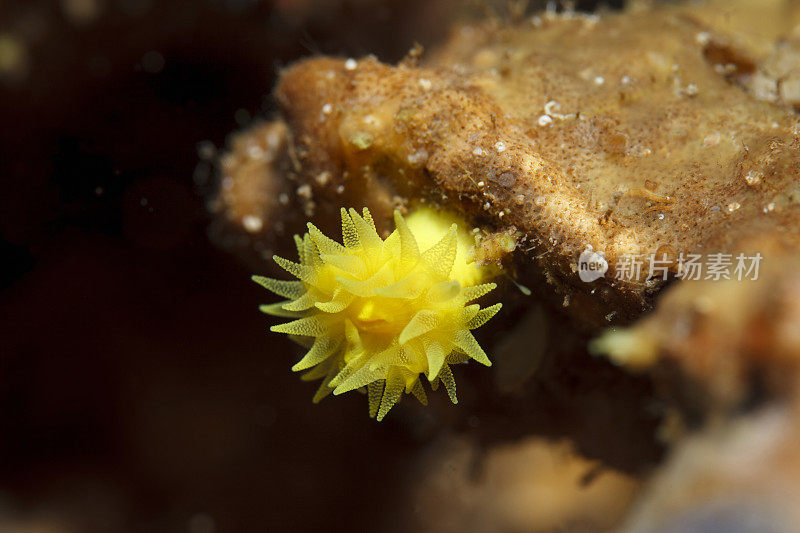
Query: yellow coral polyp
[[378, 314]]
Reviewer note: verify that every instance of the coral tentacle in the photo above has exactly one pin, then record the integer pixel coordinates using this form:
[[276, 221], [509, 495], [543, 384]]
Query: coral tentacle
[[377, 314]]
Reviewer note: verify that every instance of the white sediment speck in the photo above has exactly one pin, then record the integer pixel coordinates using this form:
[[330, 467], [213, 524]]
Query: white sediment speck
[[350, 64], [252, 223], [425, 83], [545, 120], [323, 177], [419, 156], [712, 139], [500, 146], [273, 140], [591, 19], [327, 108], [733, 206], [255, 151], [371, 120], [477, 151], [552, 107], [752, 178]]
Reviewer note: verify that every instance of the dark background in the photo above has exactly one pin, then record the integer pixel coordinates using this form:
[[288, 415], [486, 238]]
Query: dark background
[[139, 390]]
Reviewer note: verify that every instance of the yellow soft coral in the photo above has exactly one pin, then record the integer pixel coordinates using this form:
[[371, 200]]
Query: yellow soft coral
[[379, 313]]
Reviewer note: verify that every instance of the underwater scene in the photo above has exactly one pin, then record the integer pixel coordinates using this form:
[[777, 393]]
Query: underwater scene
[[444, 266]]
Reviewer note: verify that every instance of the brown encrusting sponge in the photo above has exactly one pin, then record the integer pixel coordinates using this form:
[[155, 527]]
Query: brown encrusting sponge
[[620, 132]]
